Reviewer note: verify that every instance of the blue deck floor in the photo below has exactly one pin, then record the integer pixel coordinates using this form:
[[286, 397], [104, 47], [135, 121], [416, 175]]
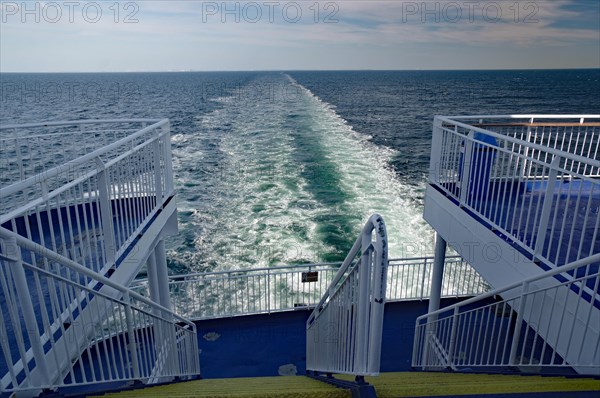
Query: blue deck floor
[[264, 345], [516, 207]]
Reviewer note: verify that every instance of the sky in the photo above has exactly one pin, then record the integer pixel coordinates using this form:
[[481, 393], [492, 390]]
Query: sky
[[127, 36]]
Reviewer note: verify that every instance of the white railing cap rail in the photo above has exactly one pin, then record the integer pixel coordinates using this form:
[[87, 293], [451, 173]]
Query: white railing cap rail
[[247, 270], [553, 151], [462, 117], [77, 123], [289, 268], [20, 185], [90, 290], [44, 251], [558, 270]]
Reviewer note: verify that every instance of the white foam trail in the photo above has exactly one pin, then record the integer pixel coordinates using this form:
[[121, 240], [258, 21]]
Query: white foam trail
[[245, 203], [375, 186], [254, 219]]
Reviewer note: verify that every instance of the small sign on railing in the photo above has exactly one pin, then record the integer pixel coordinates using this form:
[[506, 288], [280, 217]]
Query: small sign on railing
[[310, 276]]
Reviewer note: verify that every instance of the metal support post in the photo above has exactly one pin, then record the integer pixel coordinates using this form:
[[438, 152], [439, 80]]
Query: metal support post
[[437, 274], [435, 291], [162, 274], [153, 280]]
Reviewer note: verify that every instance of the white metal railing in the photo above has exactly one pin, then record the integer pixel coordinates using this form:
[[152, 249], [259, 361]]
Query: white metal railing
[[533, 178], [84, 189], [265, 290], [56, 331], [544, 324], [343, 333]]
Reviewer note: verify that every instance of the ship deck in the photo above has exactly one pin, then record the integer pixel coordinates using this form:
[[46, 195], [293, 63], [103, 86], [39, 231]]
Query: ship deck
[[387, 385], [516, 206]]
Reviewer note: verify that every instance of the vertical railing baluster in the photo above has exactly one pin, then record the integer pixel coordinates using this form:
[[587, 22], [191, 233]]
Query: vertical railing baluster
[[548, 199], [422, 295], [106, 213], [269, 291], [363, 292], [158, 188], [168, 159], [436, 148], [28, 312], [452, 345], [518, 324], [466, 169]]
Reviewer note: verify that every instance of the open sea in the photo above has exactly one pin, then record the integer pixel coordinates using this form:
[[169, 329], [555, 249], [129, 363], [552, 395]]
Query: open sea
[[285, 167]]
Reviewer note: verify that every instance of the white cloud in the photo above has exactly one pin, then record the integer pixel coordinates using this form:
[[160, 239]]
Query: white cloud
[[178, 27]]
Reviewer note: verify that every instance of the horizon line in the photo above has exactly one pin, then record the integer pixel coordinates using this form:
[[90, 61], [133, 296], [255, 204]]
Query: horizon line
[[307, 70]]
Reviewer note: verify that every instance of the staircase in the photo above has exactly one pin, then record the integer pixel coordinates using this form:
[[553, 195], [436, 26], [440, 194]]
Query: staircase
[[77, 223], [518, 198], [538, 329]]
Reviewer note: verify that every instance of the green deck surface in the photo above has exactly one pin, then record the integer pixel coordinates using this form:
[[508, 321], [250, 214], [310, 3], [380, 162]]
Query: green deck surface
[[431, 384], [387, 385], [256, 387]]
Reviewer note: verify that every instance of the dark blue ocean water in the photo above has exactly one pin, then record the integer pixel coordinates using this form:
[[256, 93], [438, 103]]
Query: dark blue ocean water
[[285, 167]]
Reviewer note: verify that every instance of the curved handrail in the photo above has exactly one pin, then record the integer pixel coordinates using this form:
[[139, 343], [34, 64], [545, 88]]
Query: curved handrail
[[45, 252], [542, 312], [498, 292], [79, 296], [357, 294], [196, 275], [376, 223]]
